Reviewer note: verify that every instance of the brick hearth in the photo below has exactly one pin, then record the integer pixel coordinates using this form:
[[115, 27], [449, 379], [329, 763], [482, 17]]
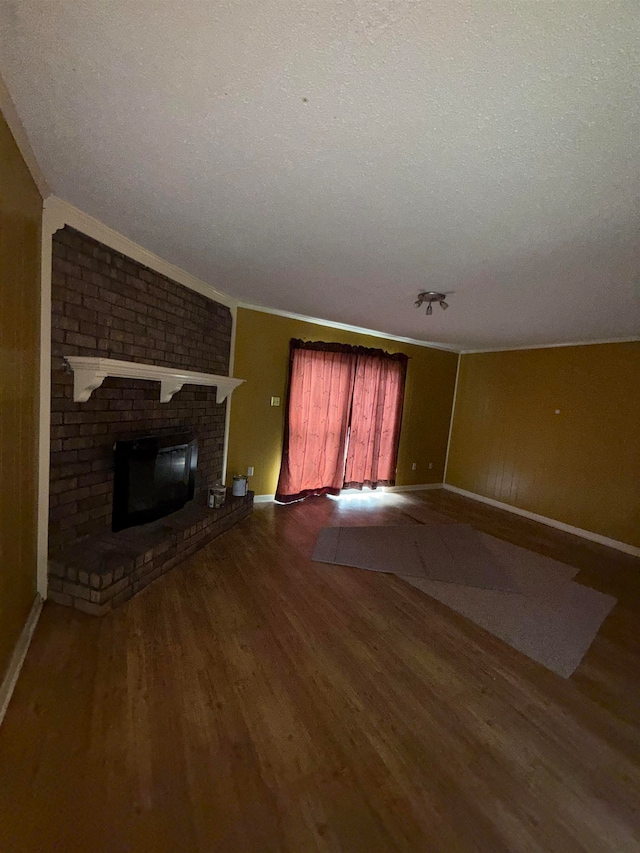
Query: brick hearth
[[98, 574]]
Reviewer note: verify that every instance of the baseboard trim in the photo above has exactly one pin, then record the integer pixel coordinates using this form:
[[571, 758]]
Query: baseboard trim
[[18, 656], [550, 522], [263, 499], [420, 487]]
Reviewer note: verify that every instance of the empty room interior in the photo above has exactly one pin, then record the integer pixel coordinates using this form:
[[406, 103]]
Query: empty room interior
[[319, 426]]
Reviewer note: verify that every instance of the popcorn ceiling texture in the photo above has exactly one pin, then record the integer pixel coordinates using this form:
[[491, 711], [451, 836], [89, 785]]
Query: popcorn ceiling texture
[[334, 157], [105, 304]]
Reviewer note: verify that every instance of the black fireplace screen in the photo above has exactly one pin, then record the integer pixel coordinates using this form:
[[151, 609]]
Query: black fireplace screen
[[153, 476]]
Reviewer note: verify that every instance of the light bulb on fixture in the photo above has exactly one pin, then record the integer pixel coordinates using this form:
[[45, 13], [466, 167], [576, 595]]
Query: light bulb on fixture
[[431, 296]]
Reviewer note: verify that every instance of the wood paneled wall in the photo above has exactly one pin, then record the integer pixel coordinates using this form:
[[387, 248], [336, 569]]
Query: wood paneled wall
[[555, 432], [20, 224], [262, 359]]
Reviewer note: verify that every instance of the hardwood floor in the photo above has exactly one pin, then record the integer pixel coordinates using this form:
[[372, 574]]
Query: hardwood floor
[[253, 700]]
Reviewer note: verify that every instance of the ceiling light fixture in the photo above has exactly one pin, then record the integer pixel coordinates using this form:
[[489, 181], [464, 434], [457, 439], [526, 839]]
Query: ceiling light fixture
[[431, 296]]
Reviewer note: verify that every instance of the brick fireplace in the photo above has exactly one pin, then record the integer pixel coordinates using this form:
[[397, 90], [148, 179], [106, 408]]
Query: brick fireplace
[[106, 304]]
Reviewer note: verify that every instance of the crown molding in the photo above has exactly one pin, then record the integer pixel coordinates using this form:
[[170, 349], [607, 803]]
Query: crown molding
[[16, 127], [347, 327], [455, 348], [630, 340], [58, 213]]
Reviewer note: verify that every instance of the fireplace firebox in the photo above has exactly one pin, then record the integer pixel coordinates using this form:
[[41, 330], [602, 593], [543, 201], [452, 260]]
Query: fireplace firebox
[[153, 476]]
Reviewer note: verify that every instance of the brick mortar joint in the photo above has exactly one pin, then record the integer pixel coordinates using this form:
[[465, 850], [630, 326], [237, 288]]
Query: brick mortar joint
[[112, 305]]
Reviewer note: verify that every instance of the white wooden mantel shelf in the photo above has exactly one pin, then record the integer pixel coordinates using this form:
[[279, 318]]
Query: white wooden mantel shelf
[[89, 373]]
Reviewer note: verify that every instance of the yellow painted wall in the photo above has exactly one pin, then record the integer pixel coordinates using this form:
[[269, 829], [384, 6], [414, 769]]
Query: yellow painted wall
[[20, 222], [262, 358], [581, 466]]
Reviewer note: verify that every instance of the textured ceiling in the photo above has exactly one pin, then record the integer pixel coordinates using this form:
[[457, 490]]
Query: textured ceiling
[[332, 158]]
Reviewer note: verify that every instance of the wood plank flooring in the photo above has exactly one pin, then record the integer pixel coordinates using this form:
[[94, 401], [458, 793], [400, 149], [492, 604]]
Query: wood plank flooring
[[253, 700]]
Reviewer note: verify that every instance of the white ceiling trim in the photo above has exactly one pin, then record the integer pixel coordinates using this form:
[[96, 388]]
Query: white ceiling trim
[[22, 140], [346, 327], [62, 213], [555, 346]]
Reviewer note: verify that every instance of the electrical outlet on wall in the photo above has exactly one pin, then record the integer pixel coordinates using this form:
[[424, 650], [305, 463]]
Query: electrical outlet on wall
[[414, 465], [430, 465], [250, 471]]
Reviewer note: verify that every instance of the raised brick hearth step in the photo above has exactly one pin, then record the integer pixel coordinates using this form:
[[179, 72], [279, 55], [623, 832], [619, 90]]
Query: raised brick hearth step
[[98, 573]]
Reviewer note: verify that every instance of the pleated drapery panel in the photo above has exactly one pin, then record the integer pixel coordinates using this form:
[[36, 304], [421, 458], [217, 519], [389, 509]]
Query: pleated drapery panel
[[376, 413], [318, 407], [344, 410]]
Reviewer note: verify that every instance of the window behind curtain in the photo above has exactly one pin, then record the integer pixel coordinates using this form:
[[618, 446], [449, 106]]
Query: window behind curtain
[[343, 418]]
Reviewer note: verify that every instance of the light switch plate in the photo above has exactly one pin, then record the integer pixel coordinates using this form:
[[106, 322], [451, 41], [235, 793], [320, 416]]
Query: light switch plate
[[275, 401]]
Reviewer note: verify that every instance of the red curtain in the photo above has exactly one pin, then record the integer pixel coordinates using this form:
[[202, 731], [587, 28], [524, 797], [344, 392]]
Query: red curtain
[[344, 411], [376, 413], [318, 407]]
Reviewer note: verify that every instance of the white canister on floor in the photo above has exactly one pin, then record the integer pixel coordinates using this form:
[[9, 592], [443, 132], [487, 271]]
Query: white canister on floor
[[240, 485]]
